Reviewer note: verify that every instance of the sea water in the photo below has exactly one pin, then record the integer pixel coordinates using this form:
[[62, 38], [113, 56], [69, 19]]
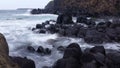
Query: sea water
[[16, 26]]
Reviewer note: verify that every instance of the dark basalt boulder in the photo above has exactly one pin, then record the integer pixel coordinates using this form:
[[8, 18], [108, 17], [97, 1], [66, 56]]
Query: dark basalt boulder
[[64, 19], [43, 51], [73, 50], [75, 45], [47, 51], [53, 28], [101, 27], [23, 62], [113, 60], [93, 36], [71, 31], [40, 49], [46, 67], [81, 19], [95, 57], [61, 48], [39, 26], [88, 61], [82, 32], [116, 23], [69, 62], [111, 33], [43, 31], [36, 11], [31, 49], [98, 49], [91, 23]]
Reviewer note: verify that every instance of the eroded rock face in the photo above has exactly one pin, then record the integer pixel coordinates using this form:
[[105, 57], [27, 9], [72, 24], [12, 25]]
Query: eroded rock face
[[12, 62], [105, 7], [5, 61]]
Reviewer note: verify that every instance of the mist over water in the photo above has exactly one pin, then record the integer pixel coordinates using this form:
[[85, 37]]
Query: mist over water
[[16, 25]]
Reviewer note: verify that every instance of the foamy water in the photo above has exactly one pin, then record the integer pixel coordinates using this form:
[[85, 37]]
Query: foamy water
[[17, 30]]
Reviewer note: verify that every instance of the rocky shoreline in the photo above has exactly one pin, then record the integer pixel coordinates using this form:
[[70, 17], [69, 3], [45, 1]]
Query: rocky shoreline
[[92, 33], [83, 28], [12, 62], [87, 29], [95, 57]]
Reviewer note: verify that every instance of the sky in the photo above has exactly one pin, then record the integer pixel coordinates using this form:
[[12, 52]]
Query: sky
[[14, 4]]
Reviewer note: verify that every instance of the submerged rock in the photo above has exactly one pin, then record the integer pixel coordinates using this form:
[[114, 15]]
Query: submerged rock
[[31, 49], [40, 49]]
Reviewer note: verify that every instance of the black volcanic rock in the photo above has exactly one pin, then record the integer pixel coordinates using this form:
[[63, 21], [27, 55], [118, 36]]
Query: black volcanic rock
[[50, 7], [31, 49], [40, 49], [64, 19], [69, 62], [23, 62]]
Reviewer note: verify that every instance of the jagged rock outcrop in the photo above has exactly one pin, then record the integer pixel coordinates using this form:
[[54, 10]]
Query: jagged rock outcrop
[[50, 6], [82, 7], [94, 7], [5, 61], [12, 62]]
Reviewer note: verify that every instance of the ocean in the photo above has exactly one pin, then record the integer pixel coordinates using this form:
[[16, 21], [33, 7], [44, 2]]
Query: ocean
[[16, 26]]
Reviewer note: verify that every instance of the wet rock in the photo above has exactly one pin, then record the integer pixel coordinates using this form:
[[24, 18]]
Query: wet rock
[[118, 34], [71, 31], [40, 49], [82, 32], [36, 11], [73, 50], [67, 63], [113, 60], [93, 36], [88, 61], [5, 61], [81, 19], [46, 67], [39, 26], [111, 33], [52, 28], [91, 23], [61, 48], [47, 22], [100, 59], [23, 62], [31, 49], [64, 19], [116, 23], [43, 31], [47, 51], [101, 27], [33, 29], [98, 49]]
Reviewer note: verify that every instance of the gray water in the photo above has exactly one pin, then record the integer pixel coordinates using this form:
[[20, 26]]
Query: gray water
[[16, 25]]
